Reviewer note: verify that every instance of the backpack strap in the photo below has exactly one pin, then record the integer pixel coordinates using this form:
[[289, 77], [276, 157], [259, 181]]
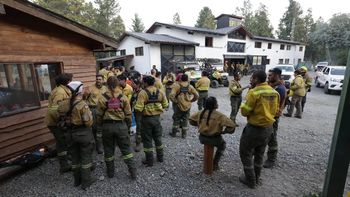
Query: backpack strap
[[180, 90], [107, 98], [149, 94]]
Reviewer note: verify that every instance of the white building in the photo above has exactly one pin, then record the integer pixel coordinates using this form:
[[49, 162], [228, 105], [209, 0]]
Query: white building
[[165, 44]]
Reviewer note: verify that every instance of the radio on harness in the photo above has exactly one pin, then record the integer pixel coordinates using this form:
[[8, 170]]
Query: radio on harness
[[114, 103], [152, 97]]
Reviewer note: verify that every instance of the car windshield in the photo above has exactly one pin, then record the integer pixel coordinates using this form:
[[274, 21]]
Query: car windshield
[[322, 64], [337, 71], [286, 68]]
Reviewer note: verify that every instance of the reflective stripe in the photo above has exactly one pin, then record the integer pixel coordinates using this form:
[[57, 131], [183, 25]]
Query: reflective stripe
[[153, 107], [63, 153], [53, 108], [257, 92], [110, 158], [147, 150], [160, 147], [258, 165], [185, 128], [86, 166], [246, 107], [128, 156], [75, 166], [138, 107], [99, 135], [248, 167], [273, 147]]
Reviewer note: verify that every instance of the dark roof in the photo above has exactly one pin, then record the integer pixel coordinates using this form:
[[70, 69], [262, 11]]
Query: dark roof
[[59, 20], [158, 38], [187, 28], [276, 40], [115, 58], [229, 15]]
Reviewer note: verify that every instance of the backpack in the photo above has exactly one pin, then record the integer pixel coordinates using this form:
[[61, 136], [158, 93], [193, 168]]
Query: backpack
[[113, 103], [183, 89], [152, 98], [64, 122]]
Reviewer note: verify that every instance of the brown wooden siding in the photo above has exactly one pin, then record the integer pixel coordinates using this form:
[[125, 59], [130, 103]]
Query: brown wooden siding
[[24, 38]]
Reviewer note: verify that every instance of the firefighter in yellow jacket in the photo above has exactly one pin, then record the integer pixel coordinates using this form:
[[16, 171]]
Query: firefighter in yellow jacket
[[298, 88], [212, 124], [124, 87], [79, 135], [260, 108], [235, 90], [114, 115], [168, 82], [92, 95], [308, 83], [151, 103], [60, 93], [182, 95], [105, 72], [202, 86]]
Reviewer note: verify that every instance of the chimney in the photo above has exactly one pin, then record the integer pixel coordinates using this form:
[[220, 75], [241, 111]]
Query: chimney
[[228, 20]]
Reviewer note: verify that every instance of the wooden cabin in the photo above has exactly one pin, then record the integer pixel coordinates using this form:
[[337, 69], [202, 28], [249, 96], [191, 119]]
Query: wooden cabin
[[35, 46]]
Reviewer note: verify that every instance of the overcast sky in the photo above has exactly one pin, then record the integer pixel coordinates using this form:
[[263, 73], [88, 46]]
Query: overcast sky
[[163, 10]]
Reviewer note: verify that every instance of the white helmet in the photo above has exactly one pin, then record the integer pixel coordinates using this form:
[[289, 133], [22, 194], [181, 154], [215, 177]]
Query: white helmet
[[76, 86]]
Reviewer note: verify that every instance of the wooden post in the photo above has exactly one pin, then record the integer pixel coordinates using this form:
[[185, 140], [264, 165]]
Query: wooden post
[[208, 159], [339, 155]]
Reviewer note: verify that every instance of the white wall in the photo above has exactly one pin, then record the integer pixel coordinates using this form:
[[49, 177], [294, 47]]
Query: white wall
[[141, 63], [155, 58]]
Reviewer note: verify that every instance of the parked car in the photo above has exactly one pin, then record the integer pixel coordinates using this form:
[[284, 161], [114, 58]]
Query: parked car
[[320, 65], [331, 78], [287, 72]]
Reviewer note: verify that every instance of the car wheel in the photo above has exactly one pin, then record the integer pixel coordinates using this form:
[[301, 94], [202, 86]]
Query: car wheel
[[326, 89], [214, 84], [226, 83], [318, 84]]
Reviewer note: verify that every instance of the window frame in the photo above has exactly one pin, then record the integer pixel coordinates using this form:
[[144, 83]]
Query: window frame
[[289, 47], [269, 45], [282, 47], [286, 62], [280, 61], [123, 52], [209, 41], [301, 48], [258, 45], [139, 53]]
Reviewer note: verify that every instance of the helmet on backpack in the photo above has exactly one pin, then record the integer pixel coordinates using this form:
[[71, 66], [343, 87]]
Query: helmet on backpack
[[76, 87]]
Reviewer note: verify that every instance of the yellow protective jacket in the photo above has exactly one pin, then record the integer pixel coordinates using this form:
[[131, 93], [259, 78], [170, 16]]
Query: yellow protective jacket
[[216, 125], [106, 74], [203, 84], [235, 88], [298, 86], [183, 100], [103, 113], [308, 81], [261, 105], [94, 94], [151, 107], [169, 81], [57, 95], [127, 91], [81, 114]]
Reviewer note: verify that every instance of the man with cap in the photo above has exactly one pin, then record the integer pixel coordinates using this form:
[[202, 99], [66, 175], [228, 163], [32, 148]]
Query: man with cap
[[79, 134], [202, 86]]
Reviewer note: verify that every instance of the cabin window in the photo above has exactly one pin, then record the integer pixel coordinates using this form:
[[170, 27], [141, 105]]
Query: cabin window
[[257, 60], [288, 47], [257, 44], [300, 48], [209, 41], [286, 61], [280, 61], [139, 51], [237, 35], [46, 74], [17, 89], [269, 46], [299, 61], [267, 61], [123, 52]]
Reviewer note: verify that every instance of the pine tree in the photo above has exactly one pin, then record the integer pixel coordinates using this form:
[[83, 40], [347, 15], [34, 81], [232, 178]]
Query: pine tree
[[206, 19], [247, 14], [260, 24], [137, 24], [176, 19]]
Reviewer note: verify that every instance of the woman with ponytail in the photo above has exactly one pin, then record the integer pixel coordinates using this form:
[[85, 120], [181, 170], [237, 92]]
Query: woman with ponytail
[[211, 124]]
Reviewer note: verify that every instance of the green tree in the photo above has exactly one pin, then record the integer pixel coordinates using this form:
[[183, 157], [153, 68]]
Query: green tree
[[292, 26], [261, 25], [176, 19], [137, 24], [108, 20], [206, 19], [247, 14]]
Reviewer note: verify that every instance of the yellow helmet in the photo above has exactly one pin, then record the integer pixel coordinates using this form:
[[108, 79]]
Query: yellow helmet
[[303, 68]]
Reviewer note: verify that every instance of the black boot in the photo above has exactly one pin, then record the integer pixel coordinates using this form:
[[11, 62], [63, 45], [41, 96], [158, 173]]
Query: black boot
[[133, 173], [174, 131], [248, 178], [269, 163], [217, 157], [138, 144], [64, 165], [77, 177], [183, 133], [160, 156], [110, 169], [99, 145], [86, 179], [257, 171], [148, 160]]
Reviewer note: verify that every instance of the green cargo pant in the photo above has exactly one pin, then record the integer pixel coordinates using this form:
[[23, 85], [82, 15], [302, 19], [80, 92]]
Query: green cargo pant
[[252, 148], [180, 118], [138, 120], [152, 131], [203, 95], [295, 102], [113, 134], [235, 104], [96, 129], [272, 144], [81, 146], [61, 142], [167, 93]]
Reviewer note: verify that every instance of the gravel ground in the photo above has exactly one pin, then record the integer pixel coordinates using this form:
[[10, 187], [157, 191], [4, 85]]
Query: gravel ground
[[303, 153]]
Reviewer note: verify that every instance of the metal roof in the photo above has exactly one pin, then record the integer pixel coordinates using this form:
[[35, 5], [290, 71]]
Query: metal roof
[[276, 40], [158, 38], [187, 28], [229, 15]]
